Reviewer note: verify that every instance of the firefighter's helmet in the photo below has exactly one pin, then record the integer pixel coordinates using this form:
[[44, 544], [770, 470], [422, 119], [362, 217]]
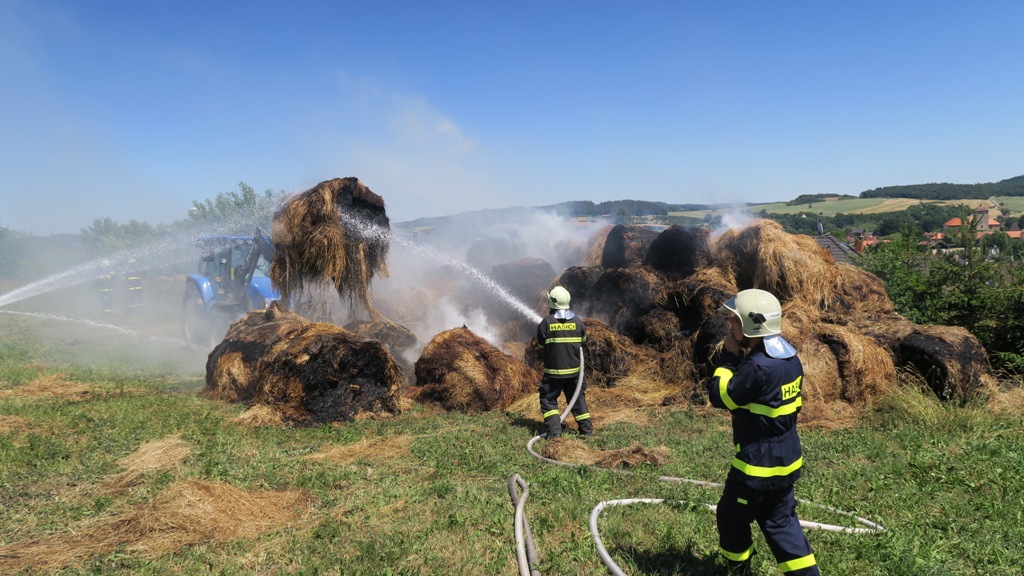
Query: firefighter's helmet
[[758, 311], [558, 298]]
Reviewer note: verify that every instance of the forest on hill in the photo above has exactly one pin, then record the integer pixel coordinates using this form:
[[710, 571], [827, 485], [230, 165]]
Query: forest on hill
[[944, 191]]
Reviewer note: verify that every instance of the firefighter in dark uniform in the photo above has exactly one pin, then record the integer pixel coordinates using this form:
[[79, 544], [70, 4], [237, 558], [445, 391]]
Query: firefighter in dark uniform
[[105, 285], [759, 382], [133, 282], [561, 336]]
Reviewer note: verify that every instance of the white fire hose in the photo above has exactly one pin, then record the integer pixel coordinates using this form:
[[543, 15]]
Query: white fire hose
[[526, 550]]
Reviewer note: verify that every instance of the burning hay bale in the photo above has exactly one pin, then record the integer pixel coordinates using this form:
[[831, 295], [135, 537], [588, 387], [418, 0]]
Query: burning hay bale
[[679, 251], [579, 281], [310, 372], [461, 371], [336, 230]]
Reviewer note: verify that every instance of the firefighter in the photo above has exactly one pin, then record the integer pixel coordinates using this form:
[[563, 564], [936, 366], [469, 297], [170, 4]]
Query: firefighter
[[105, 284], [133, 281], [759, 382], [561, 336]]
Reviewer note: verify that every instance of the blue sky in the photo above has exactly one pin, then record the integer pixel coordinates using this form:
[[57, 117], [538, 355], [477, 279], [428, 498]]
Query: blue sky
[[133, 109]]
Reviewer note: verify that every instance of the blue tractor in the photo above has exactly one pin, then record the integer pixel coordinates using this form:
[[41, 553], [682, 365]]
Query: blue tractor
[[232, 279]]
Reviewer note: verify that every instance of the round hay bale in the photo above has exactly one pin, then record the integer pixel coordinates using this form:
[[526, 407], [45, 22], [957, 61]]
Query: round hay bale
[[309, 372], [791, 266], [696, 298], [622, 295], [461, 371], [579, 281], [232, 372], [337, 230], [866, 370], [397, 338], [678, 252], [949, 358], [659, 329], [859, 295], [626, 246], [592, 254]]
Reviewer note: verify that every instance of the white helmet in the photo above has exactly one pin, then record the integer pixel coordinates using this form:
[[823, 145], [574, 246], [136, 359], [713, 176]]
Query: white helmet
[[558, 298], [759, 311]]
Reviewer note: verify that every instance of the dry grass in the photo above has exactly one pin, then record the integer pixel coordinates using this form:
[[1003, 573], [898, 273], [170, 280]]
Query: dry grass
[[576, 451], [50, 386], [368, 449], [165, 454], [14, 424], [187, 513]]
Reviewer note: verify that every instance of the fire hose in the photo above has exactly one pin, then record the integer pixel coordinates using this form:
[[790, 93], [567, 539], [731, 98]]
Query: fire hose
[[526, 549]]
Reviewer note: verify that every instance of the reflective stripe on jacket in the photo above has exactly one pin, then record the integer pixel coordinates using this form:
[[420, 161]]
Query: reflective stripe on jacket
[[763, 394]]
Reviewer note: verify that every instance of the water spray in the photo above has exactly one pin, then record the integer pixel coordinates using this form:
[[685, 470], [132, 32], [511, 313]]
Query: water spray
[[373, 230]]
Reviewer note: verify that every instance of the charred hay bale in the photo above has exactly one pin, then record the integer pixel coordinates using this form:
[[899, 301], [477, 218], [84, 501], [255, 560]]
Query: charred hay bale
[[461, 371], [626, 246], [336, 230], [310, 372], [678, 252], [696, 298], [791, 266], [607, 356], [622, 295], [326, 374], [232, 373], [484, 252], [397, 338], [950, 359], [707, 344], [579, 281], [659, 329]]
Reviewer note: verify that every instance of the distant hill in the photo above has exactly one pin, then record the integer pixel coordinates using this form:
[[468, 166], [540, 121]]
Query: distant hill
[[944, 191]]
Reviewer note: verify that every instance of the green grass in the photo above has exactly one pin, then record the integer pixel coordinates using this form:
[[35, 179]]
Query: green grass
[[947, 482]]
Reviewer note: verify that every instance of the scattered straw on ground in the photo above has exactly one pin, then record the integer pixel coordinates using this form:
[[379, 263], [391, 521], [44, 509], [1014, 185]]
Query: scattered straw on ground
[[13, 423], [50, 386], [261, 415], [576, 451], [190, 512], [164, 454], [368, 449]]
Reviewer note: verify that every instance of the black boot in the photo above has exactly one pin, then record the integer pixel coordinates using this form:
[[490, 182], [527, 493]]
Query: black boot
[[739, 568], [586, 428], [554, 425]]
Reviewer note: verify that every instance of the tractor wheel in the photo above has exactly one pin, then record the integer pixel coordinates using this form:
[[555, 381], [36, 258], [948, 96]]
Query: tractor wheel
[[196, 326]]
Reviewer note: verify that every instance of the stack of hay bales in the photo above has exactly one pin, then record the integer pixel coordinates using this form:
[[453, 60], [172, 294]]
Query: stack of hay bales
[[461, 371], [308, 373], [839, 317]]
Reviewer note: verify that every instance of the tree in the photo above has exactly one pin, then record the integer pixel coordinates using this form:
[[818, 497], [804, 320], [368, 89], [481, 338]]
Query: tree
[[236, 212]]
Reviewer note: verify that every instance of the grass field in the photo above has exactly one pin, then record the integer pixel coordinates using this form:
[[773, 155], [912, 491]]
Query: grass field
[[111, 463], [833, 206]]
